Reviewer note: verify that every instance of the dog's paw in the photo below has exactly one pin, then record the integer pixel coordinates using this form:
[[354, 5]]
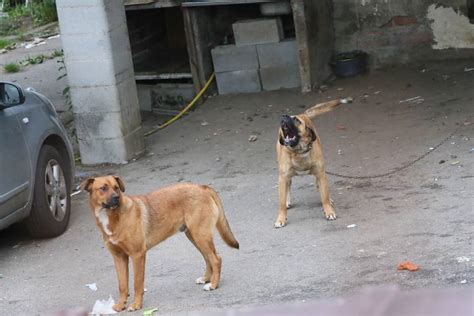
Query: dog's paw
[[330, 216], [134, 307], [208, 287], [201, 280], [279, 224], [119, 307]]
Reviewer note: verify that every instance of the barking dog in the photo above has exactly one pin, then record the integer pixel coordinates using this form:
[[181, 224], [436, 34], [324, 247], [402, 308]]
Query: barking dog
[[299, 152]]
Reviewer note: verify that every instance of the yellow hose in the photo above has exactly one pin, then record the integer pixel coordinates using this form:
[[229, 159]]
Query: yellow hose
[[190, 105]]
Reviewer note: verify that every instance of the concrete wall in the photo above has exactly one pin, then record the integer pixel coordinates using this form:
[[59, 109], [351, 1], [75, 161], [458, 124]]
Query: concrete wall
[[401, 31]]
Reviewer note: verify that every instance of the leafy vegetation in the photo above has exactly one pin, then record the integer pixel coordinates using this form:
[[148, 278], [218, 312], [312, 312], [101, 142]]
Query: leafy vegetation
[[39, 12], [12, 67], [5, 43]]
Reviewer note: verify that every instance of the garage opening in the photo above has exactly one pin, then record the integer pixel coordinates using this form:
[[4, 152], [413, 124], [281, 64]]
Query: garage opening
[[470, 10], [160, 58]]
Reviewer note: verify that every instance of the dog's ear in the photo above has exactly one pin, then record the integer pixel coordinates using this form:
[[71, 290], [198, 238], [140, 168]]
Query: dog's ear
[[312, 133], [86, 185], [120, 183]]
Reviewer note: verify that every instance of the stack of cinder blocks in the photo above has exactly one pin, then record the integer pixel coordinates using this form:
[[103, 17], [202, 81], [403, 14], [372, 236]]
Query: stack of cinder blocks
[[260, 59]]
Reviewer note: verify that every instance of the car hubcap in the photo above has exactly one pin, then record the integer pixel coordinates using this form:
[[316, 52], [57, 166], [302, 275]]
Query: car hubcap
[[56, 192]]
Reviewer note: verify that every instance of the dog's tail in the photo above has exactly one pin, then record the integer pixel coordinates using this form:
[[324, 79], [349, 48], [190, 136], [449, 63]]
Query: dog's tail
[[222, 224], [322, 108]]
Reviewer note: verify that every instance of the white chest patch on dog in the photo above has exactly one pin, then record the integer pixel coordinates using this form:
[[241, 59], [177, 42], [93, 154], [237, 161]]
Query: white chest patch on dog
[[104, 221]]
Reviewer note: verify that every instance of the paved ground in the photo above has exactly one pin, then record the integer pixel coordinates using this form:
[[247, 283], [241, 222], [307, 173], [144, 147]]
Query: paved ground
[[423, 213]]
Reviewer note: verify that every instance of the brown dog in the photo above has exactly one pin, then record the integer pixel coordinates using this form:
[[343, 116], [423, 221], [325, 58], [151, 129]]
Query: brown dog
[[299, 152], [131, 225]]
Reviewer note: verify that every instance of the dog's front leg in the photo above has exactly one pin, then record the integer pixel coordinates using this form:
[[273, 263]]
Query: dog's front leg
[[121, 266], [283, 189], [322, 183], [139, 281]]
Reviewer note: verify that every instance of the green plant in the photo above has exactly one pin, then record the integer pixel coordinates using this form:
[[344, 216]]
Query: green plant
[[66, 91], [57, 53], [34, 60], [5, 43], [44, 12], [12, 67]]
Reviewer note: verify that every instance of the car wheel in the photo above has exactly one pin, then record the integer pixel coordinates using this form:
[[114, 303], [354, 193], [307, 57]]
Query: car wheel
[[51, 208]]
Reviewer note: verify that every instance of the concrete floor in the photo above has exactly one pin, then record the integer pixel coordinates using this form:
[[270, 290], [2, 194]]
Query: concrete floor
[[423, 213]]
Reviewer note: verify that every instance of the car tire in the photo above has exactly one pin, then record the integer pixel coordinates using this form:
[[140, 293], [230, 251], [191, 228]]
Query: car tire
[[51, 209]]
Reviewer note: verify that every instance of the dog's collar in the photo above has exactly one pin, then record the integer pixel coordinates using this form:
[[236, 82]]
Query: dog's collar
[[306, 150]]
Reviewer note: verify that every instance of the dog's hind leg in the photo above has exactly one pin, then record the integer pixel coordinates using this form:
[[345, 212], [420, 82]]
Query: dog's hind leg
[[207, 275], [205, 244]]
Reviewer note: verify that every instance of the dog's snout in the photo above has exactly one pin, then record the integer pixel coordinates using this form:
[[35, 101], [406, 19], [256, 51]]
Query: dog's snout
[[285, 118], [115, 198]]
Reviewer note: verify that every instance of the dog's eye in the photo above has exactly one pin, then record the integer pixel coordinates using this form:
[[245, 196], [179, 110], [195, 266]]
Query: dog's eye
[[103, 188], [116, 188]]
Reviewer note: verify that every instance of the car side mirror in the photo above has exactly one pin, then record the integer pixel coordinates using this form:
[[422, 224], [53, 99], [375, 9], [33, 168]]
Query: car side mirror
[[11, 94]]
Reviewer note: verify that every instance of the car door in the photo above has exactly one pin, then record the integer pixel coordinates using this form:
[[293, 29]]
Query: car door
[[15, 166]]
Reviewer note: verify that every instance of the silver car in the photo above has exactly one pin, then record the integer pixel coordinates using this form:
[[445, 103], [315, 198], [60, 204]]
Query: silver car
[[36, 163]]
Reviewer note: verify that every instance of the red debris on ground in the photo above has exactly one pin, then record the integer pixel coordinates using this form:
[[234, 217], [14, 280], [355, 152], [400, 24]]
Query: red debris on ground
[[407, 265]]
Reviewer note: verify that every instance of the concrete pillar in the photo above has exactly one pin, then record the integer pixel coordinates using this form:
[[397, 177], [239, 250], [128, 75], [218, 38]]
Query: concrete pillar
[[315, 35], [101, 79]]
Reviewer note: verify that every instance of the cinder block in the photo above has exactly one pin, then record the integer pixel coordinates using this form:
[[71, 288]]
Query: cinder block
[[231, 57], [282, 77], [278, 54], [258, 31], [90, 19], [240, 81]]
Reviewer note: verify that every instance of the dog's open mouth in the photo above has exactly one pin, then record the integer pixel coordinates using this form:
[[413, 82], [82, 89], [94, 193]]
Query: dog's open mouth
[[290, 132]]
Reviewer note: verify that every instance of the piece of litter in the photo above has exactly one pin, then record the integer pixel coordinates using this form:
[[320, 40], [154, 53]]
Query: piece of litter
[[150, 312], [253, 138], [410, 99], [76, 193], [455, 162], [340, 127], [351, 226], [204, 123], [104, 307], [92, 286], [53, 36], [407, 265], [339, 152], [431, 148], [463, 282], [463, 259], [468, 69]]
